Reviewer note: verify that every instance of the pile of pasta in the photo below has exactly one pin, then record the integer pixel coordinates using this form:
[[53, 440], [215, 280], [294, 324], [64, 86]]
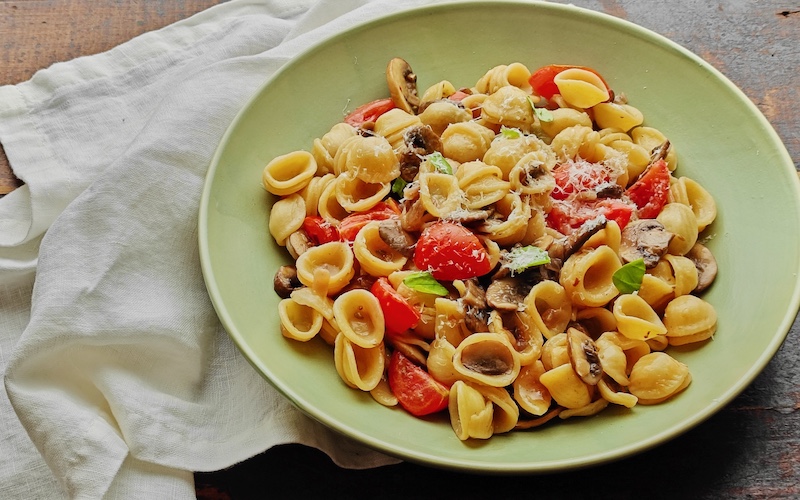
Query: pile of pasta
[[556, 176]]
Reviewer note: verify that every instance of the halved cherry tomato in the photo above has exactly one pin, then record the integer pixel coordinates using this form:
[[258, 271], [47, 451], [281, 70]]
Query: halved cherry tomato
[[415, 389], [458, 96], [651, 190], [451, 252], [319, 230], [398, 314], [542, 83], [566, 216], [352, 224], [574, 177], [369, 112]]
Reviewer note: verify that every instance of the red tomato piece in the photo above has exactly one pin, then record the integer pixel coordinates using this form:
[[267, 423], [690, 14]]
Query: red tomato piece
[[567, 216], [352, 224], [542, 82], [369, 112], [458, 96], [415, 389], [577, 176], [649, 193], [451, 252], [398, 314], [319, 230]]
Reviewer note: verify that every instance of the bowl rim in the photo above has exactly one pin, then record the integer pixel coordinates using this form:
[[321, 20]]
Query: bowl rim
[[783, 159]]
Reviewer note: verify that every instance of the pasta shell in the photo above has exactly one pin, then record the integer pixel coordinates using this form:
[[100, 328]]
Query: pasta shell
[[360, 318], [359, 367], [621, 398], [289, 173], [587, 276], [581, 88], [679, 220], [636, 319], [615, 115], [487, 358], [658, 376], [286, 217], [440, 361], [548, 307], [555, 352], [336, 257], [566, 387], [531, 395], [298, 322], [375, 256], [509, 106], [470, 413], [689, 319], [505, 413]]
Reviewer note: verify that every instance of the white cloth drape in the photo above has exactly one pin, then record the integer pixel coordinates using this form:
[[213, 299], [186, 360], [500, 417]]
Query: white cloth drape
[[119, 380]]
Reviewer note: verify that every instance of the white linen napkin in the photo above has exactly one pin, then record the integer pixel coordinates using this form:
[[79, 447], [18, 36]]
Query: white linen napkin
[[119, 379]]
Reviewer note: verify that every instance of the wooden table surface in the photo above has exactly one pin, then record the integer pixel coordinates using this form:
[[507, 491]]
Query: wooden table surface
[[750, 449]]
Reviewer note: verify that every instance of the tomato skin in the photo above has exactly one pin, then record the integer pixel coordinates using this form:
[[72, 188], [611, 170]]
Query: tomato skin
[[451, 252], [541, 80], [398, 314], [458, 96], [574, 177], [650, 192], [352, 224], [369, 112], [567, 216], [319, 230], [416, 390]]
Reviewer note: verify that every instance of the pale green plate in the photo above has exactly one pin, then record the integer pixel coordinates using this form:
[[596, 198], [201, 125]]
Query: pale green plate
[[723, 142]]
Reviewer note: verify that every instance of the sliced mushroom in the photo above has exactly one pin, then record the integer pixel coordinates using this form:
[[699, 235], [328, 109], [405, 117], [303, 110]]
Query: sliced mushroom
[[645, 239], [392, 233], [402, 84], [469, 216], [297, 243], [413, 216], [659, 152], [418, 141], [286, 281], [475, 295], [507, 294], [476, 319], [583, 356], [560, 249], [706, 266]]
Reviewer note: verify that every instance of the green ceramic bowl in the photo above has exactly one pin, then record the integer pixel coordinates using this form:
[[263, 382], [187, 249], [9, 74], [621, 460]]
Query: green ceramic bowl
[[722, 140]]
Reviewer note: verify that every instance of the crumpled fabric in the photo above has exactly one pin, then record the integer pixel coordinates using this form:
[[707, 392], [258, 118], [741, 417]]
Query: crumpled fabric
[[119, 380]]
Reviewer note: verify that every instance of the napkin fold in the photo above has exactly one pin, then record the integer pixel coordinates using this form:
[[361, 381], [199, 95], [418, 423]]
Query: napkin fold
[[118, 377]]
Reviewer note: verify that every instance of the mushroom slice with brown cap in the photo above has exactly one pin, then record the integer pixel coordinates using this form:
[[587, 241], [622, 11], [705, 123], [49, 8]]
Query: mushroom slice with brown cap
[[418, 141], [562, 248], [583, 356], [392, 233], [706, 266], [507, 294], [645, 239], [286, 281], [402, 84]]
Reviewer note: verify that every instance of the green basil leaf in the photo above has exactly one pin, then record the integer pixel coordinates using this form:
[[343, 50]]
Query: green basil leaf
[[510, 133], [522, 258], [543, 114], [398, 185], [440, 163], [628, 278], [423, 281]]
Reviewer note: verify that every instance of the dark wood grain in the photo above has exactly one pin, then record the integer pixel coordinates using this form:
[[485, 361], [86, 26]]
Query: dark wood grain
[[750, 449]]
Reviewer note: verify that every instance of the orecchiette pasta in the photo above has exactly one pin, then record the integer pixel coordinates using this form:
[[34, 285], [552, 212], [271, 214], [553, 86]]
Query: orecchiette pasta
[[524, 245]]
